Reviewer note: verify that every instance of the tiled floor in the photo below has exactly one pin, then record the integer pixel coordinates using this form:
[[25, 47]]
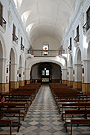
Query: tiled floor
[[43, 117]]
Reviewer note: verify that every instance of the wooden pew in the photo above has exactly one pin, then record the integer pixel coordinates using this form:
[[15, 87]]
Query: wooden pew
[[79, 105], [79, 121], [64, 94], [74, 113], [15, 105], [13, 112], [18, 99], [77, 100], [7, 122]]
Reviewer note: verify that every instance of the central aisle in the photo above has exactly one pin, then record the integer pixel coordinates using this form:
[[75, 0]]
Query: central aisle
[[43, 117]]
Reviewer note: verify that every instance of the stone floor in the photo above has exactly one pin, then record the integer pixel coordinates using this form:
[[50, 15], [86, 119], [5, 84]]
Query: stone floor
[[43, 118]]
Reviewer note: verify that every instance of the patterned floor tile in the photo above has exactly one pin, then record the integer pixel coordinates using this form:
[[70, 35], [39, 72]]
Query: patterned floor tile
[[39, 130], [43, 118], [52, 130], [33, 123], [45, 133], [45, 127]]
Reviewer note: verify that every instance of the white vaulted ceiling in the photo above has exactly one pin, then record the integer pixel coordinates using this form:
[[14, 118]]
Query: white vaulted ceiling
[[46, 17]]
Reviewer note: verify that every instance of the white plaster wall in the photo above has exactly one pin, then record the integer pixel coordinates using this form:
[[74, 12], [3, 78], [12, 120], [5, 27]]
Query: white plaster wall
[[30, 61], [35, 72], [55, 72], [54, 44], [11, 16], [79, 18]]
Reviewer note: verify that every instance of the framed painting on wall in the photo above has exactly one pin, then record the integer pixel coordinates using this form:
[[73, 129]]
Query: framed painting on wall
[[6, 79]]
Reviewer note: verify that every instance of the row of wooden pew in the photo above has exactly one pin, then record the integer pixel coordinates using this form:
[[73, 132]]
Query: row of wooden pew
[[71, 102], [16, 104]]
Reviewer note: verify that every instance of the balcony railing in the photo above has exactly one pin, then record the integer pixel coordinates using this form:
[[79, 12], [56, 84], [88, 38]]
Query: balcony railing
[[3, 22], [76, 38], [86, 27], [46, 53], [22, 47], [70, 48], [15, 38]]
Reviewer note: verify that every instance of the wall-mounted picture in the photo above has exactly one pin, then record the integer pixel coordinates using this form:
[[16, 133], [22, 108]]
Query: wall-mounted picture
[[45, 47], [82, 79], [67, 73], [17, 71], [47, 72], [45, 79], [6, 79], [23, 73], [17, 78], [43, 72]]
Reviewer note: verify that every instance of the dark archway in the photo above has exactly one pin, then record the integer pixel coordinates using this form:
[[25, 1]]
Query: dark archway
[[45, 72]]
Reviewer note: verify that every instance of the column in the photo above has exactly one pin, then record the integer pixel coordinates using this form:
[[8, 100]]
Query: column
[[27, 75], [77, 84], [21, 76], [64, 76], [13, 76], [4, 86], [70, 79], [86, 82]]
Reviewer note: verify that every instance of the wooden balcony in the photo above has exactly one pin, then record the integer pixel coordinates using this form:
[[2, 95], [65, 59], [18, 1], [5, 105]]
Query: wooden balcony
[[86, 27], [15, 38], [22, 47], [76, 39], [3, 22], [70, 48], [46, 53]]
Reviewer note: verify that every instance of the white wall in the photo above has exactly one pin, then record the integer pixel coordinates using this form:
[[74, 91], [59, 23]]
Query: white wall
[[54, 44], [55, 71], [79, 18], [11, 17], [35, 72]]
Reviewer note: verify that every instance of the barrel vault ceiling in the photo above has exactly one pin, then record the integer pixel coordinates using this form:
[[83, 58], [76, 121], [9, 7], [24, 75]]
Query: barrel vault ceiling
[[46, 17]]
